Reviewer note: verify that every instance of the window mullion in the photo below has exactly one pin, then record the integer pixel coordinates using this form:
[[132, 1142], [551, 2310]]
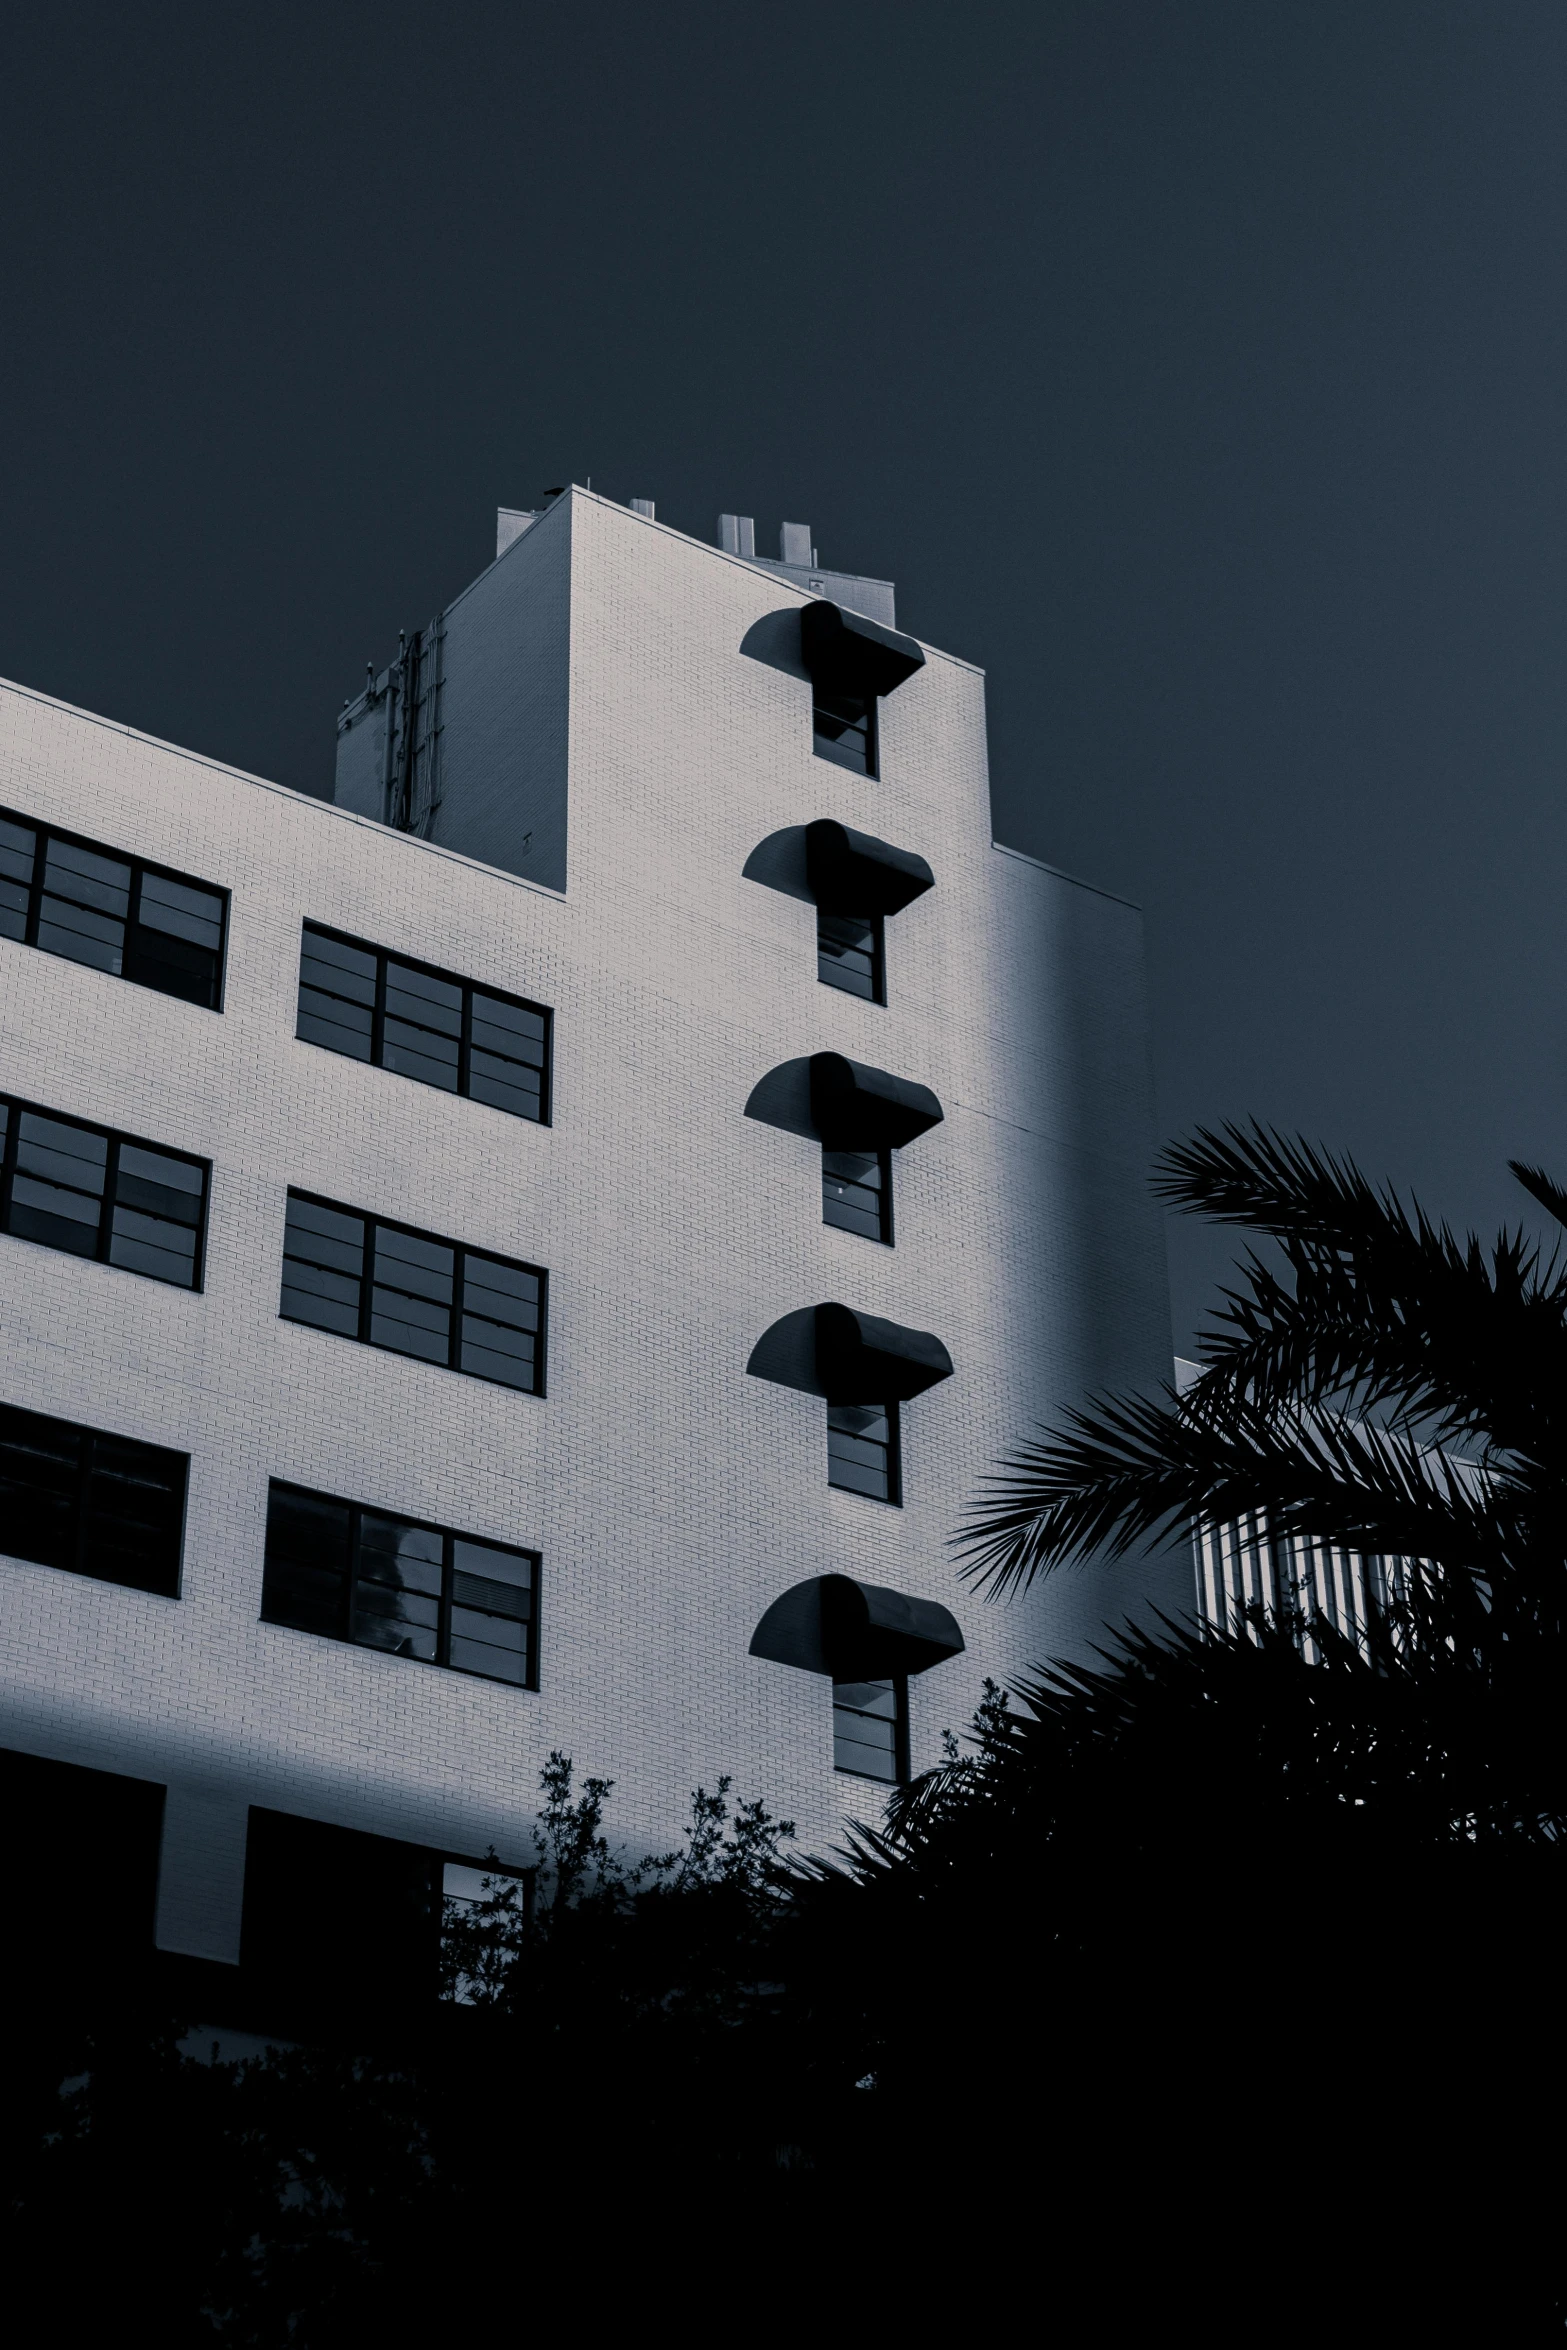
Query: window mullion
[[35, 896], [351, 1579], [8, 1167], [83, 1476], [367, 1282], [111, 1178], [443, 1636], [465, 1044]]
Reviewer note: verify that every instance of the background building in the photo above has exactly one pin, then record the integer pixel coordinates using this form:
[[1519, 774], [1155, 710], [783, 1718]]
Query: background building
[[685, 1151]]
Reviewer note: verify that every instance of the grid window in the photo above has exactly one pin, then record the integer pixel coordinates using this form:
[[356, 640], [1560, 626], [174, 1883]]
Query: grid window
[[113, 913], [870, 1729], [484, 1909], [850, 954], [97, 1194], [857, 1192], [376, 1007], [862, 1450], [91, 1504], [413, 1294], [411, 1590], [844, 730]]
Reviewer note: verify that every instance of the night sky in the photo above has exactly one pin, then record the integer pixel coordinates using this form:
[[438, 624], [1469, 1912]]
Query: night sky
[[1197, 369]]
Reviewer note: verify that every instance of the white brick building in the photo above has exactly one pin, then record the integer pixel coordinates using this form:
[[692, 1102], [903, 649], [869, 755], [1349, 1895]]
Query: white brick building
[[623, 722]]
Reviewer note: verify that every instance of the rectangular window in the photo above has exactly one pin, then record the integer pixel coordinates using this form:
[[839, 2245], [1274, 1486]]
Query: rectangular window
[[844, 728], [445, 1032], [115, 913], [857, 1192], [412, 1590], [849, 954], [97, 1194], [870, 1729], [484, 1910], [91, 1504], [413, 1294], [862, 1450]]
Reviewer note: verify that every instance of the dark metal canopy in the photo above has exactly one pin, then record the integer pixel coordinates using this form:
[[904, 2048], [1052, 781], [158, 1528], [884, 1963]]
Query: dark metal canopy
[[855, 1108], [847, 1357], [855, 873], [848, 654], [861, 1359], [855, 1631]]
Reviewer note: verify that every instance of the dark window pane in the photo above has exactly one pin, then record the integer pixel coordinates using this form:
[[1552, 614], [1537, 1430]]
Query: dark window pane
[[135, 1505], [500, 1322], [865, 1728], [175, 909], [411, 1298], [173, 966], [323, 1260], [422, 998], [156, 1221], [40, 1461], [492, 1611], [18, 849], [397, 1587], [341, 969], [341, 1027], [862, 1450], [844, 728], [848, 954], [57, 1190], [505, 1085], [306, 1575], [85, 878], [420, 1053], [857, 1192]]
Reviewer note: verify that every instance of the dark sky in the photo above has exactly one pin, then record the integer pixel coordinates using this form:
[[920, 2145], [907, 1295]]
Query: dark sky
[[1198, 369]]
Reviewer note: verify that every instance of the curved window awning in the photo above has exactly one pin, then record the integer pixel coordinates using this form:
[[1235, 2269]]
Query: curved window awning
[[849, 654], [852, 872], [832, 1351], [857, 1108], [843, 1104], [855, 1631]]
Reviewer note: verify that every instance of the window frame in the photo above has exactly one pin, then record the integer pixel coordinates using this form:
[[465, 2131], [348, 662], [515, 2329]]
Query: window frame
[[878, 927], [87, 1441], [115, 1141], [450, 1536], [462, 1251], [140, 867], [883, 1157], [824, 746], [901, 1771], [469, 988], [893, 1497]]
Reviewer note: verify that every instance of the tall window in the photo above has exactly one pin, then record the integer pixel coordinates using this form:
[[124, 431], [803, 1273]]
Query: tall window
[[870, 1729], [91, 1504], [392, 1583], [850, 954], [101, 1195], [389, 1286], [115, 913], [862, 1450], [844, 729], [857, 1192], [376, 1007]]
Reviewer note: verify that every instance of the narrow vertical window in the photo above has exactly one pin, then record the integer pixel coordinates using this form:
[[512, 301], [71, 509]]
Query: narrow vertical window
[[844, 729], [870, 1729], [857, 1192], [862, 1450], [850, 954]]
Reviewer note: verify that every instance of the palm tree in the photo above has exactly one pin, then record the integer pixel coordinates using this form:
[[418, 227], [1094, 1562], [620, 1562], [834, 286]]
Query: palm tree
[[1370, 1380]]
